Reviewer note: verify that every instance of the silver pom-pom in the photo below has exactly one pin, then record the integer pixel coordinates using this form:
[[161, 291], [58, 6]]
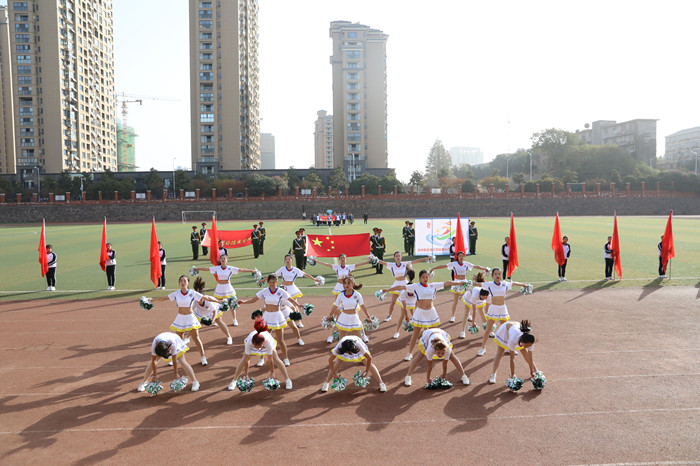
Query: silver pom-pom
[[373, 260], [328, 322], [145, 303], [193, 271], [514, 383], [360, 380], [245, 384], [538, 381], [371, 324], [178, 385], [432, 259], [527, 289], [339, 384], [380, 295], [311, 260], [153, 388], [271, 384], [308, 309], [407, 326], [320, 280]]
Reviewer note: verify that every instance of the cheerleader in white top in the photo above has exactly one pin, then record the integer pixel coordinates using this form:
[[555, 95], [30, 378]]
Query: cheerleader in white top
[[512, 337], [398, 270], [435, 345], [351, 348], [186, 321], [460, 268], [170, 347], [275, 300], [289, 275], [259, 342], [204, 309], [496, 310], [222, 273], [342, 270], [345, 308], [407, 303], [424, 316], [474, 303]]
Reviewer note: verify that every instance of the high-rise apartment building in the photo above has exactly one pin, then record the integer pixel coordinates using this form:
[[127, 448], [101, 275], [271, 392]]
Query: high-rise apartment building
[[126, 148], [224, 85], [7, 122], [638, 137], [323, 140], [359, 98], [267, 151], [61, 72]]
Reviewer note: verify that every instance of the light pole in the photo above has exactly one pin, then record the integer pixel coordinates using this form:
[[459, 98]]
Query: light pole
[[696, 160], [174, 192], [38, 181], [530, 154]]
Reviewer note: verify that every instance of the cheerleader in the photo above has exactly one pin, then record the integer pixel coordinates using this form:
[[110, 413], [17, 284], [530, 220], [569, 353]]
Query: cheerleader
[[435, 345], [351, 349], [275, 299], [344, 309], [222, 273], [512, 337], [398, 270], [341, 270], [260, 343], [289, 274], [204, 309], [186, 321], [459, 270], [496, 310], [424, 316], [407, 303], [474, 300], [171, 348]]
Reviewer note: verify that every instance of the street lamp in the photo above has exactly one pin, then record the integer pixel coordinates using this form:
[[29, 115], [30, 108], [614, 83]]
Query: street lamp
[[38, 181], [174, 192], [530, 154]]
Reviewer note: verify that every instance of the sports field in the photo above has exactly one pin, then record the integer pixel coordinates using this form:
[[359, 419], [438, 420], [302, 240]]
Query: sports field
[[80, 277]]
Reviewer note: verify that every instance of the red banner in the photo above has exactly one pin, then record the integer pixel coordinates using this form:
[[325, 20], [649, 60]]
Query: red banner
[[156, 271], [103, 251], [231, 238], [615, 246], [667, 248], [43, 260], [334, 245], [513, 255], [557, 245], [459, 239], [214, 231]]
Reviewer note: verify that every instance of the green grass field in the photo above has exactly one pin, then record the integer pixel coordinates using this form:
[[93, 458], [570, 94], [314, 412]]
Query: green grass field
[[79, 275]]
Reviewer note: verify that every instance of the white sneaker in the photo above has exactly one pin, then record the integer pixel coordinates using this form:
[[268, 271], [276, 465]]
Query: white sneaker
[[232, 385], [662, 276], [324, 387], [261, 361], [288, 384], [53, 288], [465, 380], [492, 335], [407, 381], [516, 353], [365, 339], [301, 342], [286, 362], [204, 360], [142, 387], [170, 363], [235, 323], [469, 318], [229, 341], [506, 352], [387, 319], [462, 335], [329, 339], [492, 379], [195, 386], [48, 288], [408, 357], [382, 387], [481, 352], [396, 335], [299, 324], [560, 279], [452, 319]]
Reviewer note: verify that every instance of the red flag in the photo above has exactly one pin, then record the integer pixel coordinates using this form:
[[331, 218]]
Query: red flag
[[43, 260], [667, 249], [334, 245], [513, 255], [459, 238], [557, 245], [103, 252], [213, 236], [156, 271], [615, 246]]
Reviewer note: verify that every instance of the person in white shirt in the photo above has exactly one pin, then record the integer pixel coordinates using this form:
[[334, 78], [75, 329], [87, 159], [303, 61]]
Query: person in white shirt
[[351, 348], [459, 269], [505, 255], [398, 270], [289, 275], [163, 263], [171, 348], [111, 266], [51, 272], [435, 345], [345, 309], [204, 309], [474, 303], [567, 253], [407, 303], [512, 337]]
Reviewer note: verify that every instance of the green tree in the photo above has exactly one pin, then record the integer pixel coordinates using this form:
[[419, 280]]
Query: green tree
[[292, 178], [182, 180], [312, 180], [499, 182], [439, 162], [155, 183], [370, 183], [417, 179], [388, 181], [337, 179]]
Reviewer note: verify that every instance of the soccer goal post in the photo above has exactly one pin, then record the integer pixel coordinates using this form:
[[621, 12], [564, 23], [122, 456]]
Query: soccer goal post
[[193, 215]]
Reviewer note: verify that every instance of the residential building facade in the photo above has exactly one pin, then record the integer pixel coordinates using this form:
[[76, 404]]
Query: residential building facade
[[682, 149], [323, 140], [126, 148], [638, 137], [267, 151]]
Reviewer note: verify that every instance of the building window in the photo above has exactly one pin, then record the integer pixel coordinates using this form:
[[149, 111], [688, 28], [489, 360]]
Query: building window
[[21, 28], [206, 66], [22, 49], [353, 147], [27, 142], [24, 58], [353, 116], [24, 79], [21, 69], [20, 6], [352, 35], [206, 97], [21, 18], [22, 38], [206, 139], [354, 137], [352, 65], [206, 46], [26, 111], [24, 90], [206, 56], [204, 4], [206, 76], [207, 148], [353, 76], [353, 96], [206, 118], [353, 86], [206, 24], [206, 108], [352, 54], [353, 127], [26, 121], [206, 128], [206, 35], [205, 14]]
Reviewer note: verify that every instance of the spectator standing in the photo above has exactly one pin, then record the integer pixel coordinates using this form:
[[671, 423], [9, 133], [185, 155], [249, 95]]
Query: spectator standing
[[473, 236], [195, 239], [163, 263], [609, 261], [365, 217], [111, 266], [202, 234], [263, 234], [51, 272], [567, 252], [505, 255], [404, 233], [255, 238], [351, 219], [411, 239]]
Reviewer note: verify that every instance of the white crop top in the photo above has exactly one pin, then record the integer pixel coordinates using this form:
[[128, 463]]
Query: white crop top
[[341, 271], [268, 345], [185, 299], [223, 273], [398, 270], [277, 297], [425, 292], [498, 290], [362, 348], [174, 342], [432, 334], [408, 298], [460, 269], [349, 303], [289, 275]]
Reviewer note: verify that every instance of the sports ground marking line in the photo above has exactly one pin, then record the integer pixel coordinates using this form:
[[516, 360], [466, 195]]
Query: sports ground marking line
[[353, 424], [654, 463]]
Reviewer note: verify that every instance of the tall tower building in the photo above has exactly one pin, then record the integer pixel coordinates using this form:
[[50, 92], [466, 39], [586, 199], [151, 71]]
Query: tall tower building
[[323, 140], [359, 98], [267, 151], [7, 122], [224, 85], [126, 148], [62, 77]]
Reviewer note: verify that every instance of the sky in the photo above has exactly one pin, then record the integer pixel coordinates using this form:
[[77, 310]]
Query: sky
[[479, 74]]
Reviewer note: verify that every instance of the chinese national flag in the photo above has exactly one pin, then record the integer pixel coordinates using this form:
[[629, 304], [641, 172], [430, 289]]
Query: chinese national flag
[[103, 251], [557, 246], [667, 249], [43, 260], [213, 236], [156, 272], [615, 246], [513, 256], [334, 245], [459, 238]]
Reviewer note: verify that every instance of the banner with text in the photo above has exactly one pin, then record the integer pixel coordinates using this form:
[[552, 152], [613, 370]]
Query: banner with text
[[434, 235], [231, 238]]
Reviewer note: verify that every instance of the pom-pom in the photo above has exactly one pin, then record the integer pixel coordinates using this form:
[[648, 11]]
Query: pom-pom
[[373, 260], [407, 326], [336, 335], [245, 384], [308, 309], [223, 306], [371, 324], [462, 287], [153, 388], [438, 383], [232, 302], [432, 259], [257, 314], [261, 282], [485, 324], [295, 316], [380, 295], [527, 289], [145, 303], [206, 321], [271, 384], [514, 383], [431, 274], [339, 384], [311, 260], [328, 322], [193, 271], [320, 280], [178, 385], [256, 274], [473, 329], [360, 380], [538, 381]]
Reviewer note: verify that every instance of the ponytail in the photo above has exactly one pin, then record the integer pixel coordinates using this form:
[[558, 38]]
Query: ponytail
[[411, 274], [525, 326], [526, 337], [479, 277], [198, 284]]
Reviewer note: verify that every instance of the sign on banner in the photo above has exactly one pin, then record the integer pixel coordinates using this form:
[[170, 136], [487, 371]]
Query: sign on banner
[[434, 235]]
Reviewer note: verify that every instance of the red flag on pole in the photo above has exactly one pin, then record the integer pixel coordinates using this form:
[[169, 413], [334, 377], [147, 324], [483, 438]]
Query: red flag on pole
[[156, 271], [667, 249], [557, 246], [333, 245], [213, 242], [615, 246], [43, 260], [459, 238], [103, 251], [513, 255]]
